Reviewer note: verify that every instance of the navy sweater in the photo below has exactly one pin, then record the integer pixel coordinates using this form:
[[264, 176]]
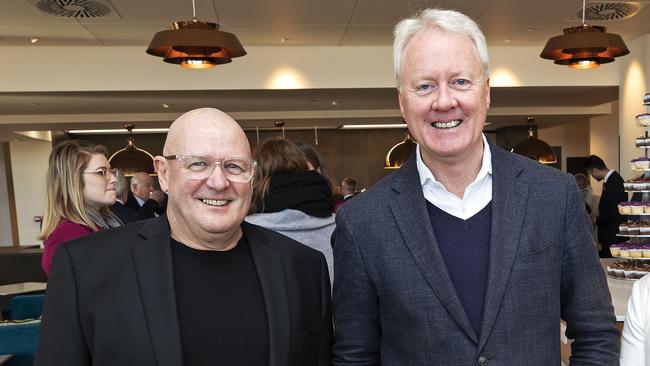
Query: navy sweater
[[465, 246]]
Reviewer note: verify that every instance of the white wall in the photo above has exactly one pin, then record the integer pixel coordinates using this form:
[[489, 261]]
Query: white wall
[[604, 142], [265, 67], [5, 217], [573, 137], [635, 82], [29, 167]]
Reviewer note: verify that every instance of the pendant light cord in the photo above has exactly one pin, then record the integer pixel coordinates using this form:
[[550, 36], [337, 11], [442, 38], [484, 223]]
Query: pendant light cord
[[583, 10], [194, 11]]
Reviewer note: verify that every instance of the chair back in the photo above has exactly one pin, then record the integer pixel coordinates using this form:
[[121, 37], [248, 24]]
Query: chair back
[[20, 340], [26, 307]]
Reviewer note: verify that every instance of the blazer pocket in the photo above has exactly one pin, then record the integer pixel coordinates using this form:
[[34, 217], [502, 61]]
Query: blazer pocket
[[535, 254]]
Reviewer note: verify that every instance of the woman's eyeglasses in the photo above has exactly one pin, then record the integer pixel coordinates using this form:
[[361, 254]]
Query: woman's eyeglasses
[[103, 172]]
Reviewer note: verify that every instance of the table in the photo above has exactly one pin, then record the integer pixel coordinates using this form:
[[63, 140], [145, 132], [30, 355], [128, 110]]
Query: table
[[620, 290], [22, 288]]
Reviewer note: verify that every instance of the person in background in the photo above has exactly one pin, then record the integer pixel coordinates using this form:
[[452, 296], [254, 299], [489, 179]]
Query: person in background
[[635, 343], [291, 199], [197, 286], [315, 163], [125, 213], [348, 188], [468, 254], [80, 188], [591, 199], [149, 202], [608, 218], [312, 156]]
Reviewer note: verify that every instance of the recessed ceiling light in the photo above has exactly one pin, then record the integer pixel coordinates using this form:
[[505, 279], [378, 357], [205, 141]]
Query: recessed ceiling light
[[373, 126], [334, 103], [165, 105], [530, 29], [283, 39], [117, 131], [34, 104], [507, 40], [33, 40]]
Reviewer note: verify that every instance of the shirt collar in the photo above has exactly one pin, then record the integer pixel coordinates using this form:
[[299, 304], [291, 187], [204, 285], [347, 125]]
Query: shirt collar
[[140, 200], [608, 174], [426, 174]]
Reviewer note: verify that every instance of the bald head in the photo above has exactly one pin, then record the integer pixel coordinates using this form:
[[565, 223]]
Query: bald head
[[209, 124], [141, 185], [204, 212]]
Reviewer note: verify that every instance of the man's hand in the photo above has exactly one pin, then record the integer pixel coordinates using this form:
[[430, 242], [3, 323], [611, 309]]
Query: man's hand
[[157, 195]]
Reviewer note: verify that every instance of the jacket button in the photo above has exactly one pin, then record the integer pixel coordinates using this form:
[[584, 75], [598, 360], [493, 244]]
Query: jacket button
[[482, 360]]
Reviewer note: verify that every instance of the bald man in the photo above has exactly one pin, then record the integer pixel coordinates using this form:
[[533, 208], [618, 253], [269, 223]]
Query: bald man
[[197, 286], [144, 199]]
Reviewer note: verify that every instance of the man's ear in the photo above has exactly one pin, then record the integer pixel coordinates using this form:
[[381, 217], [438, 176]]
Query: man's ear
[[160, 166]]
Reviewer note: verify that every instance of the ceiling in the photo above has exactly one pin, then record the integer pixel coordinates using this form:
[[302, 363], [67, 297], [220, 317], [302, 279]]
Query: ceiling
[[281, 22], [299, 22]]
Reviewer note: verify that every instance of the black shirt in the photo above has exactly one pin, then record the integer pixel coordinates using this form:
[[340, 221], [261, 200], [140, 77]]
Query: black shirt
[[221, 312]]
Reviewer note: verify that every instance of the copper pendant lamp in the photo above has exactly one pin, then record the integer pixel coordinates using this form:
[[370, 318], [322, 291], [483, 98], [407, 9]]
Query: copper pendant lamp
[[131, 159], [195, 44], [534, 148], [400, 153], [584, 46]]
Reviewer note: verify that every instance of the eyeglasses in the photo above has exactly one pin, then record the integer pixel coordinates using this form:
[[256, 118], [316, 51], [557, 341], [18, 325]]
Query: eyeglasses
[[427, 88], [103, 172], [200, 167]]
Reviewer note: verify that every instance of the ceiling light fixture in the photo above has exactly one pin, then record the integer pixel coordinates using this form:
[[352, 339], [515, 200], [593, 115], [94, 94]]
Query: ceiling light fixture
[[33, 40], [535, 148], [584, 46], [400, 153], [132, 159], [195, 44]]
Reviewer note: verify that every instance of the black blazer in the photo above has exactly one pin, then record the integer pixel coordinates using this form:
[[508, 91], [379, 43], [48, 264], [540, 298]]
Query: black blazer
[[148, 209], [110, 299], [125, 213], [608, 217]]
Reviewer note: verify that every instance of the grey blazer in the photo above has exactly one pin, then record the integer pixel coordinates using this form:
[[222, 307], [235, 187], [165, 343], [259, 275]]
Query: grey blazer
[[394, 303]]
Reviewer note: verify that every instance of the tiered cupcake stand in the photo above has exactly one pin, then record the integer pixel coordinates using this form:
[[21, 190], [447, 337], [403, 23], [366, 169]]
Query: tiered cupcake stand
[[637, 251]]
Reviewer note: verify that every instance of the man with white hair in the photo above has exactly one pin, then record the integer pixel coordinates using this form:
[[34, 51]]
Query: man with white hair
[[197, 286], [469, 254], [143, 198]]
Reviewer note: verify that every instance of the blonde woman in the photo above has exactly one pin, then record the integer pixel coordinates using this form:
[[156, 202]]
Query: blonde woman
[[80, 188]]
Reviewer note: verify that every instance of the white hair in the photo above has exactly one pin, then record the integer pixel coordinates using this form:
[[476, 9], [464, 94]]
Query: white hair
[[448, 20]]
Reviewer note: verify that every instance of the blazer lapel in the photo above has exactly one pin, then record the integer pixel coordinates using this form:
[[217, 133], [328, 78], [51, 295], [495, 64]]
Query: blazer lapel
[[154, 271], [412, 218], [509, 196], [270, 271]]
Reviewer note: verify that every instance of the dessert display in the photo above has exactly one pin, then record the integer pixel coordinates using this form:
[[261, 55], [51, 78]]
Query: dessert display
[[631, 270], [638, 184], [643, 119], [634, 208], [630, 250], [642, 141], [641, 163], [637, 250]]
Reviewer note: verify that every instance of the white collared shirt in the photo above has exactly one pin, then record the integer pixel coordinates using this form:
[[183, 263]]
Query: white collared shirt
[[477, 195], [140, 200], [607, 175]]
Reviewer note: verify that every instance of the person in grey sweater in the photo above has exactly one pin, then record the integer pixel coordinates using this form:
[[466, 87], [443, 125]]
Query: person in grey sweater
[[291, 199]]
